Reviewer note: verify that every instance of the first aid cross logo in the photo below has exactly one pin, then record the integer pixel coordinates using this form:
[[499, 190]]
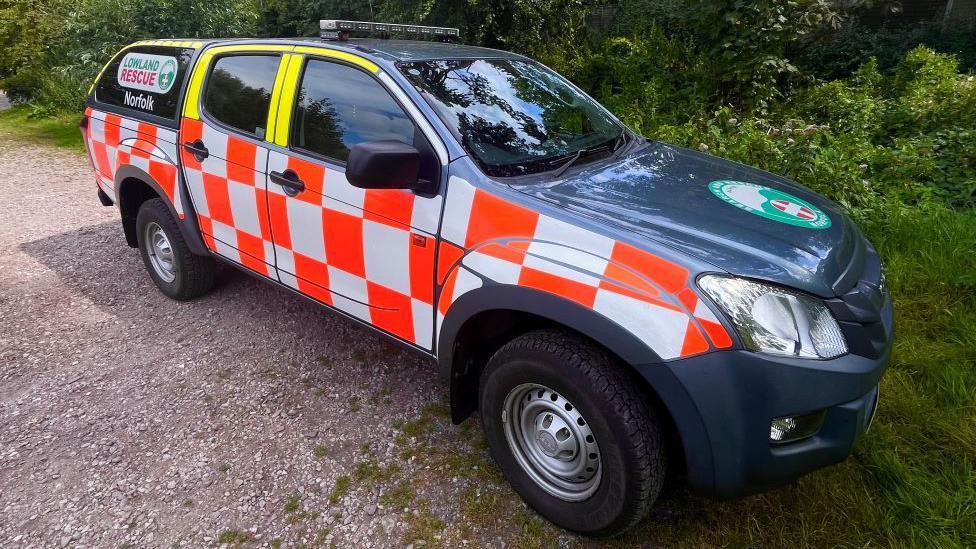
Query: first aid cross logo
[[770, 203]]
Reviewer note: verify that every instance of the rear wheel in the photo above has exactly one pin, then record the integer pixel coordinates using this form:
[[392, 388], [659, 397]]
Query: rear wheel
[[571, 432], [177, 272]]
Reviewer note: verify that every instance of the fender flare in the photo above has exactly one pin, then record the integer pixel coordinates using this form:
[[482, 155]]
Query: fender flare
[[492, 297], [188, 224], [645, 363]]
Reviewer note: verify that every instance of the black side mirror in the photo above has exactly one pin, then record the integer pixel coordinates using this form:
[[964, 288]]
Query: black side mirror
[[383, 165]]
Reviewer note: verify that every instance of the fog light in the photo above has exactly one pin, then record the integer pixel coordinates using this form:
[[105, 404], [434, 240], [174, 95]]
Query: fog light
[[793, 428]]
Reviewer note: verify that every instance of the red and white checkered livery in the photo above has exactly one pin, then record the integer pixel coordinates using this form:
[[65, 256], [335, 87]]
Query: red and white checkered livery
[[114, 141], [228, 194], [511, 244], [369, 253]]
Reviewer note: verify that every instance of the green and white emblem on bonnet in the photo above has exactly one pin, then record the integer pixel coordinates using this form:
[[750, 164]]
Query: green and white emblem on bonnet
[[770, 203]]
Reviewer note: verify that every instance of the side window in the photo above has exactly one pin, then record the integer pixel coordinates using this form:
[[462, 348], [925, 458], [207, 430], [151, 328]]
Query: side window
[[146, 79], [238, 91], [339, 106]]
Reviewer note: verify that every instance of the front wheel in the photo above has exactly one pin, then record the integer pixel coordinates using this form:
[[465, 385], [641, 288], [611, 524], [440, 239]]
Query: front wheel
[[177, 272], [571, 432]]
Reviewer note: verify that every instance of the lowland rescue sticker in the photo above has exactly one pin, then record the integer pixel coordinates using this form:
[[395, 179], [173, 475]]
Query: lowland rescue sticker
[[147, 72]]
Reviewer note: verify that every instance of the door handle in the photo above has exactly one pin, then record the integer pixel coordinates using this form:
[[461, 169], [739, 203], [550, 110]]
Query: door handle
[[197, 149], [289, 181]]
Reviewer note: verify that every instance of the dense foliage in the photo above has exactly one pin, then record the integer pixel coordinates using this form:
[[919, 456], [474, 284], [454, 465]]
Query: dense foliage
[[51, 50], [909, 134], [794, 86]]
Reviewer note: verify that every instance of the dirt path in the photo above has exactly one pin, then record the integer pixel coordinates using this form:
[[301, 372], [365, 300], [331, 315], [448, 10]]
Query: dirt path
[[247, 417]]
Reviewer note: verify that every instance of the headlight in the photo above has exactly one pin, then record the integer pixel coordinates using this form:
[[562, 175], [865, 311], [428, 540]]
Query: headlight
[[776, 321]]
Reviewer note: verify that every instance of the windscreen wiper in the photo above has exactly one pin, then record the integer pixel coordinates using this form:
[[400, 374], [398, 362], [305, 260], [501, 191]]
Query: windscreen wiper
[[617, 143], [565, 166], [620, 143]]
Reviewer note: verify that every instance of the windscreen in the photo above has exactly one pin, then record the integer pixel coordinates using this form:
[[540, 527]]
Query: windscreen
[[514, 117]]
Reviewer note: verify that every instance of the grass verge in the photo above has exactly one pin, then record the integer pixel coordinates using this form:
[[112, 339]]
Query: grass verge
[[60, 131]]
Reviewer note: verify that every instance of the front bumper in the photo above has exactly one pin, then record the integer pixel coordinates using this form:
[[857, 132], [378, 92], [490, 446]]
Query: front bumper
[[722, 404]]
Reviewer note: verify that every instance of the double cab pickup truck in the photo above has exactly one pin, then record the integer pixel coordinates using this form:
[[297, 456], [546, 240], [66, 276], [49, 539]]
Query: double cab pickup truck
[[614, 308]]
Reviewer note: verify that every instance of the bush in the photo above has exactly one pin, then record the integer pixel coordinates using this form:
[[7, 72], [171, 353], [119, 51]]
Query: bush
[[908, 136], [649, 82], [838, 55], [53, 49]]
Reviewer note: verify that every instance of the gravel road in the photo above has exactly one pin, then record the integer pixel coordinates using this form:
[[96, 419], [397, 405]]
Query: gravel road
[[245, 418]]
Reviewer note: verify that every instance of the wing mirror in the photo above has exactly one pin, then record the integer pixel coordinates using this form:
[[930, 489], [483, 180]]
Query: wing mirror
[[384, 165]]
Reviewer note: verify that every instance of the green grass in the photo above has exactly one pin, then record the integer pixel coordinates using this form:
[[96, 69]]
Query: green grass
[[422, 526], [292, 503], [61, 131], [400, 496], [234, 538], [372, 473], [342, 487]]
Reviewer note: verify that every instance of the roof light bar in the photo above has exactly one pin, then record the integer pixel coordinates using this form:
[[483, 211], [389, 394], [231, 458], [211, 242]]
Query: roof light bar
[[336, 29]]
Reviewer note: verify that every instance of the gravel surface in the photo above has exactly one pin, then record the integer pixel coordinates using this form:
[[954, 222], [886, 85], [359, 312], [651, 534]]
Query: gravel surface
[[245, 418]]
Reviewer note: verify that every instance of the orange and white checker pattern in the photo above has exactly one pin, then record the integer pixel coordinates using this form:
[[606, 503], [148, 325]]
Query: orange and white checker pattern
[[229, 196], [511, 244], [114, 141], [369, 253]]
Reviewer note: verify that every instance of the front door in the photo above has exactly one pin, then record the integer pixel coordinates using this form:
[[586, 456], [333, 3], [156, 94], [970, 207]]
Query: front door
[[225, 153], [368, 253]]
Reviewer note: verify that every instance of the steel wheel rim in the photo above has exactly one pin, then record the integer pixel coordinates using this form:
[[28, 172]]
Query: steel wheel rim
[[160, 252], [552, 442]]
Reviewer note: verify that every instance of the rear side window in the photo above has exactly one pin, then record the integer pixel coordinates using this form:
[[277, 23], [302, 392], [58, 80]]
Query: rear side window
[[147, 79], [339, 106], [238, 91]]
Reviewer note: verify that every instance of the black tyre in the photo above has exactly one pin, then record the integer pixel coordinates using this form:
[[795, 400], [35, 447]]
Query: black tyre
[[571, 432], [179, 273]]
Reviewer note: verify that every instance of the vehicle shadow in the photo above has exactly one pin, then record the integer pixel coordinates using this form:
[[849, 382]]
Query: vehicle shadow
[[96, 263]]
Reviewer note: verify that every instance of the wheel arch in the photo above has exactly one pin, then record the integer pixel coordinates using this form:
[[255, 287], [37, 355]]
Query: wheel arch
[[481, 321], [135, 186]]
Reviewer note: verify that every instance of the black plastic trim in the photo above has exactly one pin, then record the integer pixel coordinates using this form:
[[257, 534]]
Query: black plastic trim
[[495, 296], [504, 297], [188, 225], [104, 199]]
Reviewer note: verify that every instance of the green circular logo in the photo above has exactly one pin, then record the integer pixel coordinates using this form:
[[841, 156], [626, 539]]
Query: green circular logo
[[166, 76], [770, 203]]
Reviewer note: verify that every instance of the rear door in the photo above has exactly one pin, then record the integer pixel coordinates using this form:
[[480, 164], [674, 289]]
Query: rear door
[[368, 253], [225, 134]]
